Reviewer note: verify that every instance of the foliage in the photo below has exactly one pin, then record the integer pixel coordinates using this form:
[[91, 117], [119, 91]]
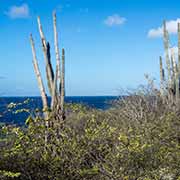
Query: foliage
[[138, 139]]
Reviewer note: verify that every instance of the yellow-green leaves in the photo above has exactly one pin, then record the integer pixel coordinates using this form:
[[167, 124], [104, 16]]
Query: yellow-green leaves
[[91, 171], [9, 174]]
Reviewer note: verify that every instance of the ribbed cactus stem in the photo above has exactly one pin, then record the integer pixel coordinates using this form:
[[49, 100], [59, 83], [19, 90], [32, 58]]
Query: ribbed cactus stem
[[166, 47], [49, 69], [178, 69], [41, 33], [177, 85], [63, 81], [173, 63], [161, 76], [55, 93], [56, 45], [174, 70], [179, 47], [46, 52], [39, 78], [173, 58]]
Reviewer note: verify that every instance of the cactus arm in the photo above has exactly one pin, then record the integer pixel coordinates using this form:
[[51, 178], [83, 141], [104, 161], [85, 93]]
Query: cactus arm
[[178, 68], [38, 76], [46, 52], [63, 81], [177, 85], [174, 70], [179, 47], [49, 69], [166, 47], [55, 96], [161, 77], [56, 45], [173, 64]]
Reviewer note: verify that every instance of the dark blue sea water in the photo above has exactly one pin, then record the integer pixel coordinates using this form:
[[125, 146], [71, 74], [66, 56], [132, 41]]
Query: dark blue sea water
[[99, 102]]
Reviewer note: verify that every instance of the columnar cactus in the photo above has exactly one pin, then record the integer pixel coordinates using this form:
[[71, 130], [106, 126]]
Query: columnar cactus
[[47, 57], [38, 75], [162, 78], [166, 48], [55, 79], [171, 89]]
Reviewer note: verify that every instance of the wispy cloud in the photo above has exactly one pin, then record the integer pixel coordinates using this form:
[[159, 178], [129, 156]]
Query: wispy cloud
[[158, 32], [114, 20], [21, 11]]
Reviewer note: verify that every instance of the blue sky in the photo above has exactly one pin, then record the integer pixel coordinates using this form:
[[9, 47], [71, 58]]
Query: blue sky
[[110, 44]]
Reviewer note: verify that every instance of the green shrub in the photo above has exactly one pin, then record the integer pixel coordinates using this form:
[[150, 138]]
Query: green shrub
[[107, 145]]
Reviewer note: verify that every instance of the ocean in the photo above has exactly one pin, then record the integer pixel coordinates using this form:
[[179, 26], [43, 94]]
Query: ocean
[[6, 116]]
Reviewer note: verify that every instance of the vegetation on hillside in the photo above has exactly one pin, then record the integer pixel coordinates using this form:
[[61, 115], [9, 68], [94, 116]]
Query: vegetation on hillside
[[138, 138]]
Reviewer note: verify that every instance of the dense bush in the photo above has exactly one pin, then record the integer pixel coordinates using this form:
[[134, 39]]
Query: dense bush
[[137, 139]]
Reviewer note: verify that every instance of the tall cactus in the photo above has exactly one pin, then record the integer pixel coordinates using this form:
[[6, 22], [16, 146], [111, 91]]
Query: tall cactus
[[161, 77], [63, 81], [177, 86], [56, 83], [178, 69], [46, 52], [38, 75], [55, 92], [173, 70], [41, 87], [56, 45], [179, 47], [173, 65], [166, 47]]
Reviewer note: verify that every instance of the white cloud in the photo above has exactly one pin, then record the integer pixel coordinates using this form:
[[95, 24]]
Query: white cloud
[[114, 20], [15, 12], [158, 32]]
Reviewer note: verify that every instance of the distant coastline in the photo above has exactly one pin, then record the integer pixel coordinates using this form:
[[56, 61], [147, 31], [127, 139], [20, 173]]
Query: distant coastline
[[98, 102]]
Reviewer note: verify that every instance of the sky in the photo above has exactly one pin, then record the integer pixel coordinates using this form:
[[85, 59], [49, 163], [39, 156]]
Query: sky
[[110, 44]]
